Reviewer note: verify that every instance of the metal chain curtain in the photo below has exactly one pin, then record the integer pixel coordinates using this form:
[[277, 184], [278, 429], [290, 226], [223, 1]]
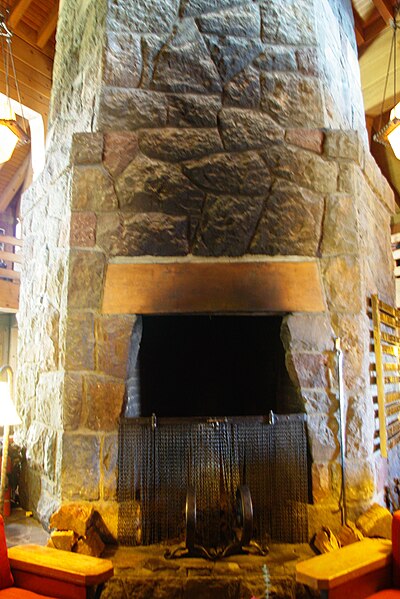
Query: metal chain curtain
[[157, 464]]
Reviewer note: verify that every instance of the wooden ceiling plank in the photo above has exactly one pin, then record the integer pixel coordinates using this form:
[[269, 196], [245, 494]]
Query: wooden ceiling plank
[[28, 34], [373, 30], [385, 9], [43, 88], [28, 98], [9, 192], [48, 28], [32, 56], [359, 29], [17, 12]]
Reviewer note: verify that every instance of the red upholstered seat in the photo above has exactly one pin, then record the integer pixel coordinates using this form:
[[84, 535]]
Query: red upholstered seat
[[15, 593], [388, 594], [395, 592], [7, 588], [6, 579]]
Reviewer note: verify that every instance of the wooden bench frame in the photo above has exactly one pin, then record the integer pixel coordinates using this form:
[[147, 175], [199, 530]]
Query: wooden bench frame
[[56, 573], [354, 571]]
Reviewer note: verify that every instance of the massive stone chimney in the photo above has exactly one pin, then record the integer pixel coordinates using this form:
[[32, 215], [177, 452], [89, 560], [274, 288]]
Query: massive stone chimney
[[186, 132]]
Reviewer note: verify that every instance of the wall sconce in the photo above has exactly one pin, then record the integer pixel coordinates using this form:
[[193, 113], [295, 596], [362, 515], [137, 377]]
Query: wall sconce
[[10, 131], [390, 133], [8, 417]]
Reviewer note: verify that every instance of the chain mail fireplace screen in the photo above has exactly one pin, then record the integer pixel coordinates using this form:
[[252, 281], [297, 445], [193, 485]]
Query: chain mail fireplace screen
[[159, 459]]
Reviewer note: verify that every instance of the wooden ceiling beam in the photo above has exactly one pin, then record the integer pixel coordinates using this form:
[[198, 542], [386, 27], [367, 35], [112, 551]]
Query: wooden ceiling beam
[[385, 9], [17, 12], [15, 183], [28, 34], [373, 30], [358, 28], [48, 28]]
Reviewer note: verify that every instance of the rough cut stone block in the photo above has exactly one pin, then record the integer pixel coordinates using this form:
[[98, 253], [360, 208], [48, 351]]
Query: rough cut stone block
[[185, 65], [196, 8], [131, 109], [63, 539], [277, 59], [73, 517], [243, 90], [103, 400], [227, 225], [344, 145], [120, 149], [323, 435], [342, 282], [307, 61], [308, 139], [242, 21], [109, 461], [72, 405], [230, 173], [87, 148], [79, 342], [86, 273], [289, 23], [303, 167], [291, 222], [293, 100], [147, 185], [156, 234], [113, 334], [144, 16], [307, 332], [376, 522], [91, 544], [80, 473], [122, 59], [310, 371], [247, 129], [232, 55], [92, 189], [109, 234], [176, 145], [83, 229], [193, 110], [341, 231]]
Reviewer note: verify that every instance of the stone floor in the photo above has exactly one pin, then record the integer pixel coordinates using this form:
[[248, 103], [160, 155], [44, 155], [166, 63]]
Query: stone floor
[[144, 573]]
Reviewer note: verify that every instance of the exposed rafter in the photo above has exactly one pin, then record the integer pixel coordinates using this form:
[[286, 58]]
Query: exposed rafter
[[17, 12], [385, 9], [48, 28], [9, 192]]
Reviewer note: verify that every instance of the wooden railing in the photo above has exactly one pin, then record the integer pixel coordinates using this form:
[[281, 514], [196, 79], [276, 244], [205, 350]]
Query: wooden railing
[[10, 261]]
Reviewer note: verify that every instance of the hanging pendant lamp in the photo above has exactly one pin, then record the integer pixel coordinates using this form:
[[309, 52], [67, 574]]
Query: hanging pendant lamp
[[390, 133], [10, 131]]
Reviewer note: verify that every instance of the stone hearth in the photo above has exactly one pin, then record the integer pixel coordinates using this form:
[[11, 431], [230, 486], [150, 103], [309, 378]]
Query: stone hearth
[[197, 131], [143, 572]]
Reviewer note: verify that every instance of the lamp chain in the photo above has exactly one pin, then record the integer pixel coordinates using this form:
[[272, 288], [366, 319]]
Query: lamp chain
[[392, 53]]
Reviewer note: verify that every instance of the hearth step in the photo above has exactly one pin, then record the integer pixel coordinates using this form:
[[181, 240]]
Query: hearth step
[[142, 572]]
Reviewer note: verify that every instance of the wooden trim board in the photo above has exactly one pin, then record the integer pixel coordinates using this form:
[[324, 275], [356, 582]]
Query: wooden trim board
[[209, 287]]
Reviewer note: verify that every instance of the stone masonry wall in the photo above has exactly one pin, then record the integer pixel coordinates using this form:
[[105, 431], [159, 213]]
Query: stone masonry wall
[[210, 129]]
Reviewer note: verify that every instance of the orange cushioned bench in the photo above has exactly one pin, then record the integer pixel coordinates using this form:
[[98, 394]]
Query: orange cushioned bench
[[34, 572], [369, 569]]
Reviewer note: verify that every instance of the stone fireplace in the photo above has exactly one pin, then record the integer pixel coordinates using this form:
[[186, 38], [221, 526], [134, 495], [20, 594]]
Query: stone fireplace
[[205, 158]]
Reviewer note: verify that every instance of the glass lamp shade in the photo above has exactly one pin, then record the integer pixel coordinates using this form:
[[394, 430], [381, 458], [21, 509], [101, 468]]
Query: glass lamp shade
[[394, 136], [8, 139], [8, 413]]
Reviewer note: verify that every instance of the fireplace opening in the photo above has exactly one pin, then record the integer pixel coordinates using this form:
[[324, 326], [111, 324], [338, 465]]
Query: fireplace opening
[[216, 365], [211, 381]]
